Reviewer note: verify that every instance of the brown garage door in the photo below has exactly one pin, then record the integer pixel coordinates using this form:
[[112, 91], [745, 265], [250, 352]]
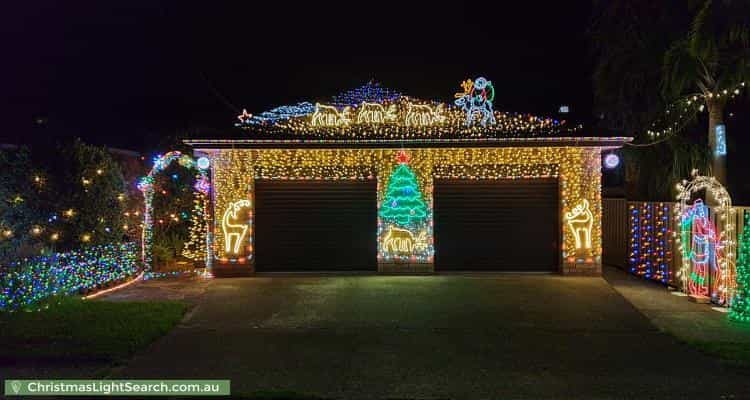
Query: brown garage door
[[315, 225], [499, 225]]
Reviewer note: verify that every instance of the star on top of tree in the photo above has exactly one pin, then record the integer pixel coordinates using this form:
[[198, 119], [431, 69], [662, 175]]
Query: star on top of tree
[[402, 157]]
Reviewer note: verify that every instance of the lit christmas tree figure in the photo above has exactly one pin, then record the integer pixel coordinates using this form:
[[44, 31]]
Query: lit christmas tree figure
[[403, 202], [740, 310]]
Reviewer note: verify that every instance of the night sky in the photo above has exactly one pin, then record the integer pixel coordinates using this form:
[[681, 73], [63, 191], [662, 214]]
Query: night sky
[[127, 74]]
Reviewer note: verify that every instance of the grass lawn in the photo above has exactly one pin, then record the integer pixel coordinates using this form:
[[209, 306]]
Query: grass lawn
[[737, 354], [78, 329]]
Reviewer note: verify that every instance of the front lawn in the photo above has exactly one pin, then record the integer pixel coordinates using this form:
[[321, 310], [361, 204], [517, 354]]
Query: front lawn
[[737, 354], [78, 329]]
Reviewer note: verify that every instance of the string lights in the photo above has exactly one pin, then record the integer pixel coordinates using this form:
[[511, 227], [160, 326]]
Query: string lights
[[678, 114], [740, 309], [234, 172], [372, 111], [29, 282], [662, 254], [418, 120]]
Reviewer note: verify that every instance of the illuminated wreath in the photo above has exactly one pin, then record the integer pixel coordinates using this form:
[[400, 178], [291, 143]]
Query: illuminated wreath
[[726, 214]]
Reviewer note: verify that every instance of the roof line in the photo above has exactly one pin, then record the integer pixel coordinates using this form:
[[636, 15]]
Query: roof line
[[605, 142]]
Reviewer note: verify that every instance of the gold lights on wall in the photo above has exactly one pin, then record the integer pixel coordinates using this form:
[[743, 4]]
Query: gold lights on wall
[[577, 168]]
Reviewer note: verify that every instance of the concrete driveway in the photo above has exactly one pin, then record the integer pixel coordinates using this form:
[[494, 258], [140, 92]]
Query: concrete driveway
[[444, 336]]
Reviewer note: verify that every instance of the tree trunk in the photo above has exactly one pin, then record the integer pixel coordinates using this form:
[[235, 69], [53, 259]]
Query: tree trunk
[[632, 175], [719, 158]]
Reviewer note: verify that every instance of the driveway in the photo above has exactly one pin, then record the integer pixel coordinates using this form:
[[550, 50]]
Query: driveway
[[454, 336]]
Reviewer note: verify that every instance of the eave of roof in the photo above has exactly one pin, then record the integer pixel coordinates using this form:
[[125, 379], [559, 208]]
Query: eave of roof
[[218, 144]]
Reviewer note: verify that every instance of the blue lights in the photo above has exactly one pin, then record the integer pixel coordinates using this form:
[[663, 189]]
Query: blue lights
[[371, 92], [611, 161], [280, 113], [721, 140], [203, 163]]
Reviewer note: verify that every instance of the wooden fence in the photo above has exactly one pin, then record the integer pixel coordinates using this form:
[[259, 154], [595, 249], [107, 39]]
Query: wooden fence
[[640, 237]]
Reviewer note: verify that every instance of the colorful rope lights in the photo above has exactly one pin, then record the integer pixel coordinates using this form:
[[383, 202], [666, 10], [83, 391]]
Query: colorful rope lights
[[706, 243], [25, 285], [404, 215], [701, 247]]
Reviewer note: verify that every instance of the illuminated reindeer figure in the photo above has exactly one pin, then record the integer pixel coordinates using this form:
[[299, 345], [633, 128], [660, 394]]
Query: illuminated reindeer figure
[[580, 221], [423, 115], [330, 116], [233, 230], [476, 101], [375, 113], [399, 240]]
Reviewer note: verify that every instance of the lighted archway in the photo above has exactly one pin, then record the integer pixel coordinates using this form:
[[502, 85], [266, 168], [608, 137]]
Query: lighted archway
[[726, 283], [146, 186]]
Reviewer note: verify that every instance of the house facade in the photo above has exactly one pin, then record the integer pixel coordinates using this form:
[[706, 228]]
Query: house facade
[[374, 180]]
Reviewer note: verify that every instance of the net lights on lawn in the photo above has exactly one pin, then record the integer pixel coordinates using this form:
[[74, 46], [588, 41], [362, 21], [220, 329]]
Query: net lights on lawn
[[27, 284], [578, 170], [701, 247]]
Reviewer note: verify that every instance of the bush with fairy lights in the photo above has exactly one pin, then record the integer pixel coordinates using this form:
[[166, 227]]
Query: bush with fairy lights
[[58, 197], [740, 309]]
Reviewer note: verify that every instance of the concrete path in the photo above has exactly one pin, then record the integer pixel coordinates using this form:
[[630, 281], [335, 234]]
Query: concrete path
[[188, 289], [675, 314], [484, 336]]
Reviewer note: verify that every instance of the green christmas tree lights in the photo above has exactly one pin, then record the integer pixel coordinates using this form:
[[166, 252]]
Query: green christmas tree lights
[[403, 204], [740, 310]]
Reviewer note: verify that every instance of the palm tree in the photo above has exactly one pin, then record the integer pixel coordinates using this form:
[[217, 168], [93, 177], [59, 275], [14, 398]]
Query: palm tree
[[714, 60], [628, 40]]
